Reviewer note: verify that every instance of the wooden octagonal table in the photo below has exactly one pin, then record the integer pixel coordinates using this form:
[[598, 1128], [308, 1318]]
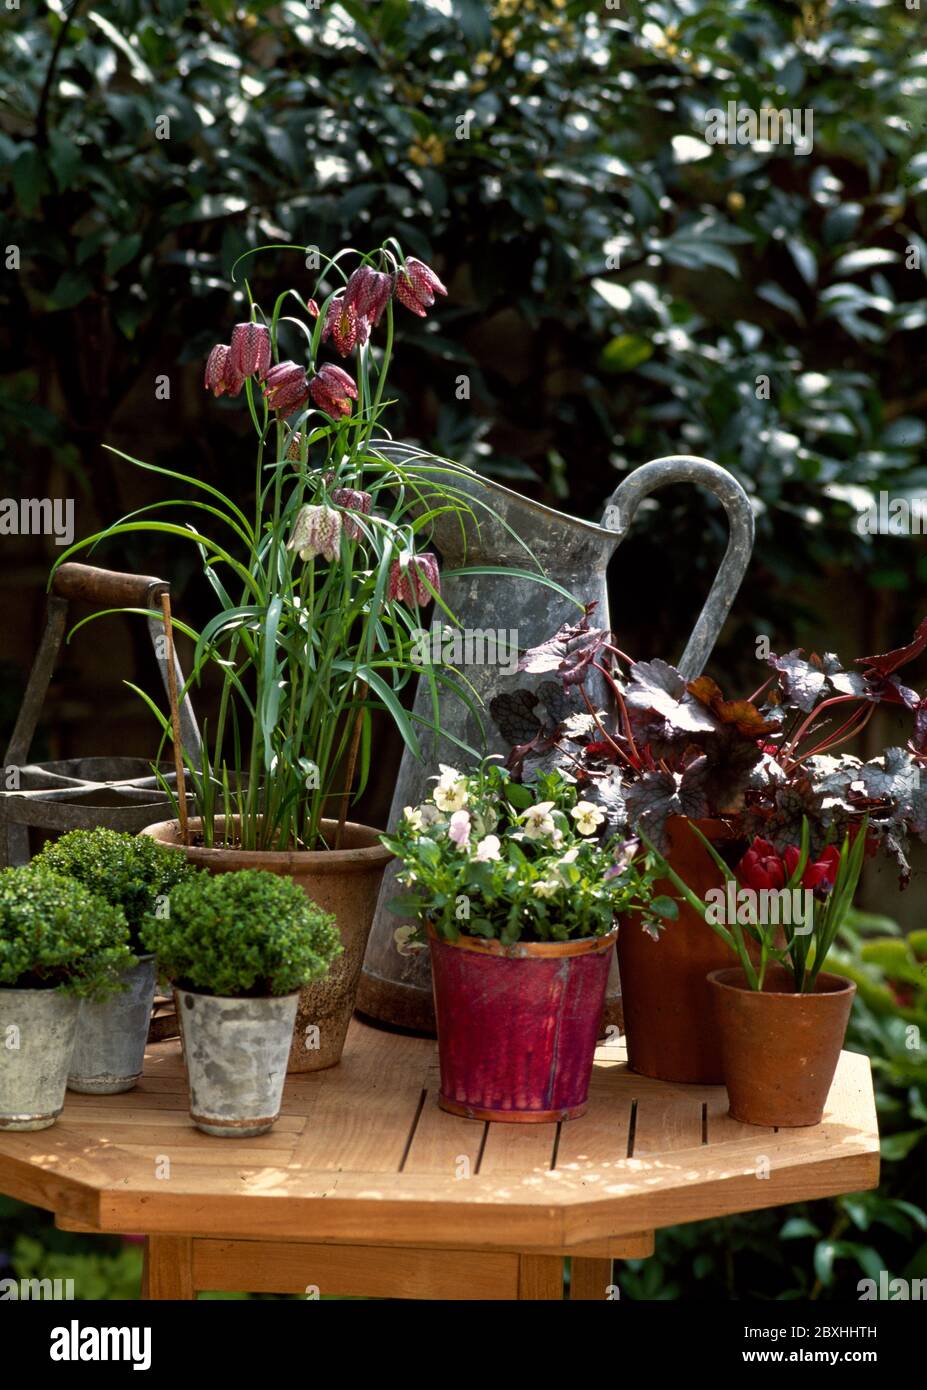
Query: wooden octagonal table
[[365, 1187]]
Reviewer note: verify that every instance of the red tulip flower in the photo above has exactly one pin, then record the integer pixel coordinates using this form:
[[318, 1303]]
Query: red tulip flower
[[417, 285], [761, 867], [333, 391], [221, 378], [286, 387], [249, 354], [820, 873], [407, 579]]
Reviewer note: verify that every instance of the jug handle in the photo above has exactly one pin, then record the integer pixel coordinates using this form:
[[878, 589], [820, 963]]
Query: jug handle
[[685, 468]]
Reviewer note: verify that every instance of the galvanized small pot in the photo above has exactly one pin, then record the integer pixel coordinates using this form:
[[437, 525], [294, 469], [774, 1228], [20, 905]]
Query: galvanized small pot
[[109, 1052], [37, 1031], [517, 1025], [236, 1053], [779, 1049], [341, 881]]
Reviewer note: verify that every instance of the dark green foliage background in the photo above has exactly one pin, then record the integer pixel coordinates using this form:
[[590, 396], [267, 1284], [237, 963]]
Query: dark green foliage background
[[337, 125]]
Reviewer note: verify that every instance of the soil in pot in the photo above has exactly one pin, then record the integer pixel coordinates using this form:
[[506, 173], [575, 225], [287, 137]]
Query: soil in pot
[[109, 1051], [668, 1017], [779, 1048], [517, 1025], [344, 882], [41, 1024]]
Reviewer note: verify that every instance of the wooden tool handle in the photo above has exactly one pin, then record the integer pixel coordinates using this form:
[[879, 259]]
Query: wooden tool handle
[[106, 588]]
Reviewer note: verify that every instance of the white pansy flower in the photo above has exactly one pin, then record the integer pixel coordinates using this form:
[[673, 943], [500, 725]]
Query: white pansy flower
[[404, 941], [545, 888], [570, 856], [451, 792], [429, 814], [488, 848], [459, 832], [587, 816], [538, 820], [412, 815]]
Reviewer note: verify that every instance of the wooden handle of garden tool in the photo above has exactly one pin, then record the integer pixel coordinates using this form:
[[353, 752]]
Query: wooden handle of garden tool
[[685, 468], [106, 588]]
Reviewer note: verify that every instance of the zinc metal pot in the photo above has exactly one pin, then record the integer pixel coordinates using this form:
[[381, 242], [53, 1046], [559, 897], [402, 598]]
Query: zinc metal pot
[[37, 1031], [344, 882], [109, 1051], [780, 1049], [517, 1025], [236, 1053], [669, 1020]]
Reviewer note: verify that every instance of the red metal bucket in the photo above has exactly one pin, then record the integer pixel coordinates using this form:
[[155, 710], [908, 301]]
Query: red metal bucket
[[517, 1025]]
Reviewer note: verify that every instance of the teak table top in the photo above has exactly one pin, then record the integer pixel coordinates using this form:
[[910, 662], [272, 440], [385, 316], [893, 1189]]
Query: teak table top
[[362, 1154]]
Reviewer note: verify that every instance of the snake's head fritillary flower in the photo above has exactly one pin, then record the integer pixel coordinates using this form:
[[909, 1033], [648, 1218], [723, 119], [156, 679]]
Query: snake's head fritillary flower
[[286, 387], [407, 577], [368, 292], [249, 354], [342, 325], [352, 501], [333, 391], [317, 532], [294, 447], [417, 285], [220, 377], [313, 308]]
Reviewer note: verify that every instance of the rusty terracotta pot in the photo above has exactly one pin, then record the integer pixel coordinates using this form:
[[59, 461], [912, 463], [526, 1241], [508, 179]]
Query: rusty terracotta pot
[[669, 1022], [780, 1049], [517, 1025], [342, 881]]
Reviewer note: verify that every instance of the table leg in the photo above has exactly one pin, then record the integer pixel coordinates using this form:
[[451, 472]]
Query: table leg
[[168, 1268], [540, 1277], [590, 1279]]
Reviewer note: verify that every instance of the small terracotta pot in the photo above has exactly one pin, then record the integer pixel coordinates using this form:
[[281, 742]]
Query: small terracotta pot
[[342, 881], [780, 1049], [669, 1023], [517, 1025]]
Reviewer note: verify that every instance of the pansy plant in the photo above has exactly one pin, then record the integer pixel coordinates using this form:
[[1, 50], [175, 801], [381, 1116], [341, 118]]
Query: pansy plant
[[486, 856]]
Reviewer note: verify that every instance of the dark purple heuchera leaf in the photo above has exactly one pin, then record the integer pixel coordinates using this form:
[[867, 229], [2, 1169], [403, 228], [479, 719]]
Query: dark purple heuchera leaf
[[569, 652], [892, 661], [514, 714], [802, 682], [657, 686], [842, 682], [725, 768], [895, 776], [656, 796]]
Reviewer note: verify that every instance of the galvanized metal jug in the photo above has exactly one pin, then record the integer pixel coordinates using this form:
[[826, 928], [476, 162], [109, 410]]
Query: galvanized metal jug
[[505, 529]]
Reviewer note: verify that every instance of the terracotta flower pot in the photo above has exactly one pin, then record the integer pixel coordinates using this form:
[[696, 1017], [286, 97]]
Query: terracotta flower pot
[[780, 1049], [669, 1022], [342, 881], [517, 1025]]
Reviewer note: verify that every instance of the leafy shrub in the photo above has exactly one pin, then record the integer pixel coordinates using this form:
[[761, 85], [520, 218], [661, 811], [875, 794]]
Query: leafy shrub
[[129, 871], [249, 933], [54, 933]]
